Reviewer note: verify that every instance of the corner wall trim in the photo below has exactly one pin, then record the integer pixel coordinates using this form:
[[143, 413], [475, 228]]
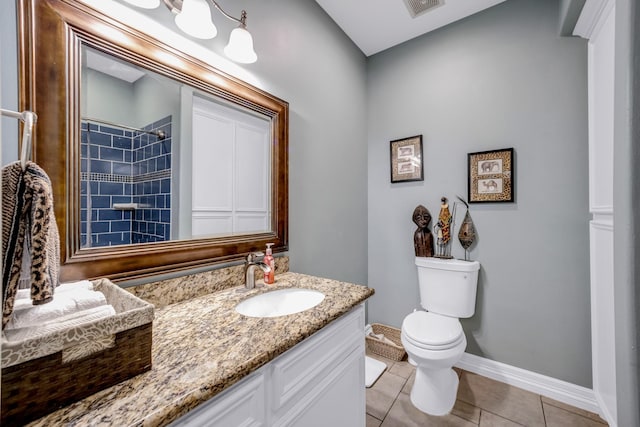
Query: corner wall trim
[[589, 21], [562, 391]]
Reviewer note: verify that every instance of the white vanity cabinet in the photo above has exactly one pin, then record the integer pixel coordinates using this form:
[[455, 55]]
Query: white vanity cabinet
[[319, 382]]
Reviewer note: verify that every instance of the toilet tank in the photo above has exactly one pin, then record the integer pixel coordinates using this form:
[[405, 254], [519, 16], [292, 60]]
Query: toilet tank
[[448, 286]]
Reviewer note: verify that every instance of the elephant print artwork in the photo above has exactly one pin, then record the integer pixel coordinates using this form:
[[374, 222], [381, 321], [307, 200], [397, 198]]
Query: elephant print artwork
[[490, 166], [491, 176]]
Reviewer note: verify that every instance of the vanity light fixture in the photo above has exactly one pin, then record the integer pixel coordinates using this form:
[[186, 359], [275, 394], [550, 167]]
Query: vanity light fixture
[[194, 18]]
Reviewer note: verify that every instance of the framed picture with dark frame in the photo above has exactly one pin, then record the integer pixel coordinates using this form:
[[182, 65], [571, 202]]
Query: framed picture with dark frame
[[406, 159], [491, 176]]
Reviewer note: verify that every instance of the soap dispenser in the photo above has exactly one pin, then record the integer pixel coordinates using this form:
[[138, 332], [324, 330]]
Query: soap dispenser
[[269, 278]]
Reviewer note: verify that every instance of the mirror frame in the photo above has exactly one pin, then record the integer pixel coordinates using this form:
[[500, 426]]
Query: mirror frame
[[50, 35]]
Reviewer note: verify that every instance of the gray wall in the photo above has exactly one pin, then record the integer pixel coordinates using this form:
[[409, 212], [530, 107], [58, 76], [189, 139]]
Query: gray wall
[[305, 59], [502, 78], [107, 98], [138, 104], [9, 82]]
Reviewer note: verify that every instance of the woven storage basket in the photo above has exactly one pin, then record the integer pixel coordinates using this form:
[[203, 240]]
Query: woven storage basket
[[45, 373], [393, 351]]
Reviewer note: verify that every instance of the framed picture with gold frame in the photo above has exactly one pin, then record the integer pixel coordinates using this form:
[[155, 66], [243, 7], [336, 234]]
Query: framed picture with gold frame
[[406, 159], [491, 176]]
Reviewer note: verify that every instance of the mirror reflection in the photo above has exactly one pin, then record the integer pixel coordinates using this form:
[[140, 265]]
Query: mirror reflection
[[161, 160]]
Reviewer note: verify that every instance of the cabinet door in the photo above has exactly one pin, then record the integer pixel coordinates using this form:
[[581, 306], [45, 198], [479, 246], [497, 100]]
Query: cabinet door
[[321, 381], [338, 400], [299, 370], [240, 406]]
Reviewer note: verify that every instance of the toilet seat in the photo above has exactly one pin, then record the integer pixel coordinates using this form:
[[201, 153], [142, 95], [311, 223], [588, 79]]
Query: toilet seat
[[432, 331]]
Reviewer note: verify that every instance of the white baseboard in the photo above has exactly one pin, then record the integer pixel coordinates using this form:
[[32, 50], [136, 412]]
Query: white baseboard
[[571, 394]]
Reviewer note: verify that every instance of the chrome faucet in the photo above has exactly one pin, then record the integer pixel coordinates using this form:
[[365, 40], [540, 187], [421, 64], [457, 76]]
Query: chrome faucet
[[250, 267]]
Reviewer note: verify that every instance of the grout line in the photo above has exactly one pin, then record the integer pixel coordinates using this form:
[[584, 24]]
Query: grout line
[[544, 415], [395, 399], [503, 417], [373, 416]]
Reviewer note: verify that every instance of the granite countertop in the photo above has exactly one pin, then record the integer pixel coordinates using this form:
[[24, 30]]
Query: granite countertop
[[202, 346]]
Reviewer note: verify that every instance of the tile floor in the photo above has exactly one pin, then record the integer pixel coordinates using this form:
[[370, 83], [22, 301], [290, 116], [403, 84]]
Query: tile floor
[[481, 402]]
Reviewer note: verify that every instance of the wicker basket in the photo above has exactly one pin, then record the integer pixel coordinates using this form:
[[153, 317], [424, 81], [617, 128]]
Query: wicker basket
[[48, 372], [393, 351]]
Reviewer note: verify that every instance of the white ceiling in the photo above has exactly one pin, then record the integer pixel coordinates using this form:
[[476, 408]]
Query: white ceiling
[[376, 25], [109, 65]]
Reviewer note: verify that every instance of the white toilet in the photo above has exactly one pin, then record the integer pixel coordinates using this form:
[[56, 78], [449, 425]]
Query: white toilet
[[434, 339]]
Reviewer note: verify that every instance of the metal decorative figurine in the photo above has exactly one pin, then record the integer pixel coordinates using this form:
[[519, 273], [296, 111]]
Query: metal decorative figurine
[[422, 238], [467, 234]]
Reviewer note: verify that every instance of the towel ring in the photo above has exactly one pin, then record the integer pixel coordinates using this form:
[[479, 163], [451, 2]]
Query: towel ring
[[29, 118]]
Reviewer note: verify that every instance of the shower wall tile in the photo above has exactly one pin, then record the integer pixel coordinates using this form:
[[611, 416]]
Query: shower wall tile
[[100, 227], [123, 142], [98, 202], [110, 215], [121, 226], [114, 154], [98, 138], [111, 131], [119, 168], [112, 188], [99, 166]]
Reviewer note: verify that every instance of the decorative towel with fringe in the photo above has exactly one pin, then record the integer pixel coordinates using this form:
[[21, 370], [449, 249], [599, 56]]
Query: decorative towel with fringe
[[28, 220]]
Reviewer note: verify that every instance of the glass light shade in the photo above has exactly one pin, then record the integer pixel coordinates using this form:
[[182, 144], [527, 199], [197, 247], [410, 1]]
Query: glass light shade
[[145, 4], [240, 47], [195, 19]]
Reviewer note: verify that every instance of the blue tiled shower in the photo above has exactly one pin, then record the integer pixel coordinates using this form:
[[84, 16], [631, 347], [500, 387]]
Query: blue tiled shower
[[125, 184]]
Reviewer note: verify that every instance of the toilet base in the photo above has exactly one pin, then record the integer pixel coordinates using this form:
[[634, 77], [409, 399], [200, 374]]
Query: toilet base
[[434, 390]]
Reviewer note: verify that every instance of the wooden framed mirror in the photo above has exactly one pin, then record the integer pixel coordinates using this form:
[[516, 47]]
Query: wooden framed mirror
[[59, 41]]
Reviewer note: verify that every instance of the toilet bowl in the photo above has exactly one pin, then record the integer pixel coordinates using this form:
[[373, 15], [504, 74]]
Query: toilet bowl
[[434, 343], [434, 339]]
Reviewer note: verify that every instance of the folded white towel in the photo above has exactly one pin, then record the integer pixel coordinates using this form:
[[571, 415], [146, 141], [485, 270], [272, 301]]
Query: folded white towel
[[25, 315], [75, 319], [22, 303], [73, 286], [64, 287]]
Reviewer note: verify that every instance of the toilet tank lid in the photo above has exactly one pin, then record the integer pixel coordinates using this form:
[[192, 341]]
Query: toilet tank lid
[[447, 264]]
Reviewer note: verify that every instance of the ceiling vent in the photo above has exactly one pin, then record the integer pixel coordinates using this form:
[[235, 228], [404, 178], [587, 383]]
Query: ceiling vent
[[418, 7]]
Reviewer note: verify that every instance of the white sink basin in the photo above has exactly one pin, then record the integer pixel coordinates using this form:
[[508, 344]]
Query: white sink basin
[[280, 302]]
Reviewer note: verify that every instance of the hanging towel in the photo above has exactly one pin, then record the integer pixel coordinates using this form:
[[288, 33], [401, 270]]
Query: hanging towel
[[28, 220]]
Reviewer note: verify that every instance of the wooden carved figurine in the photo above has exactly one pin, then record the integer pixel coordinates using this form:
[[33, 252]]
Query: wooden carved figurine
[[422, 238]]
